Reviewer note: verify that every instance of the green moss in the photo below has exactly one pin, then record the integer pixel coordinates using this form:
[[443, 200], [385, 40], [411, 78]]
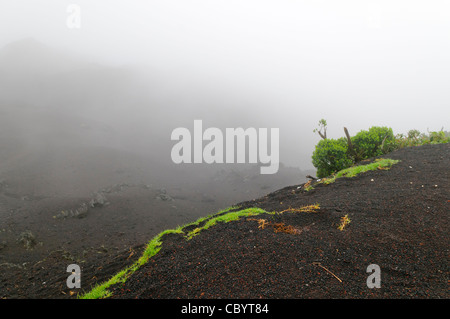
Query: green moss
[[154, 246], [227, 218], [382, 163]]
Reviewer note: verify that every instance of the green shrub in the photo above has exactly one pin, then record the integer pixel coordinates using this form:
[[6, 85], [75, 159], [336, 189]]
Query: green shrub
[[415, 138], [413, 134], [438, 137], [330, 156], [374, 142]]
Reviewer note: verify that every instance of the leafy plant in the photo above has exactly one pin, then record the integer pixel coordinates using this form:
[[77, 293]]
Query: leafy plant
[[330, 155], [415, 138], [438, 137], [374, 142], [413, 134]]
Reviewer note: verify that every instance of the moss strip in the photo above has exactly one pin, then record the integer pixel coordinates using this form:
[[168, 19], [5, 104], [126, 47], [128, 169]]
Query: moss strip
[[154, 246], [382, 163]]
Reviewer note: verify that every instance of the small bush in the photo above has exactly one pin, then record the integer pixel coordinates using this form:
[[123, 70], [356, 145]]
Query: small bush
[[333, 155], [415, 138], [374, 142], [438, 137], [413, 134], [330, 156]]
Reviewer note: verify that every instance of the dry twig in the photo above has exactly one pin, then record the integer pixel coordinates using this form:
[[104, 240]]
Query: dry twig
[[318, 264], [304, 209]]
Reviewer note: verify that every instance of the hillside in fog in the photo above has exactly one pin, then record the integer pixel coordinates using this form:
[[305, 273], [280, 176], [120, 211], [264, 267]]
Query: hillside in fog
[[85, 159]]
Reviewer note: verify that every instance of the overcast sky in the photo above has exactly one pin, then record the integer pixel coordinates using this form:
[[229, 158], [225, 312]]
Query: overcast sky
[[355, 63]]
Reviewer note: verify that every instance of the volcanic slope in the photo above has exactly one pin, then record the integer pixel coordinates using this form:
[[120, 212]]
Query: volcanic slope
[[397, 218]]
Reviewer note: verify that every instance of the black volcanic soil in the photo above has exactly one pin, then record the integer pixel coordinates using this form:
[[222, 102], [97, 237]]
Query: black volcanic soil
[[399, 221]]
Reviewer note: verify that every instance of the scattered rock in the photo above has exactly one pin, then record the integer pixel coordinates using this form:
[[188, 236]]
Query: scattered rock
[[162, 195], [99, 200], [82, 211], [79, 212], [27, 239]]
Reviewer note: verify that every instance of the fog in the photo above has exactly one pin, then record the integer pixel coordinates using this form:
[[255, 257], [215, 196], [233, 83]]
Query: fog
[[90, 92], [279, 64]]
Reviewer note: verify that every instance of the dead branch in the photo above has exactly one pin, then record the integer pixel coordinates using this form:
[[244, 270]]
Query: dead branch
[[318, 264], [350, 145]]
